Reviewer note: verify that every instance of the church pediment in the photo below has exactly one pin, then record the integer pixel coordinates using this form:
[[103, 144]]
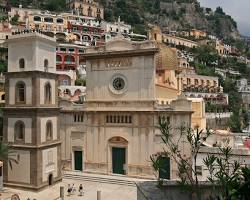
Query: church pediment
[[119, 43]]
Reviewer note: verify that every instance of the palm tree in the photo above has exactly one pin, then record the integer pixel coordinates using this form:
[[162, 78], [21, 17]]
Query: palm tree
[[7, 154]]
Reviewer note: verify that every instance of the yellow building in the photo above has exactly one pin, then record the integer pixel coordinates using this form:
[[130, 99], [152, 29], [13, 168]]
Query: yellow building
[[47, 22], [22, 13], [222, 48], [199, 113], [197, 33], [88, 8], [174, 40], [168, 83]]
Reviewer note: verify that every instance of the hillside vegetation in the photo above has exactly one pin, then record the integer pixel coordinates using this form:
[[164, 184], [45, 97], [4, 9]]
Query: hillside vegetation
[[169, 14]]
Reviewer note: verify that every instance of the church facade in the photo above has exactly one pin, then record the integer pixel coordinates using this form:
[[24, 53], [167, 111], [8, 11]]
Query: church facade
[[115, 131]]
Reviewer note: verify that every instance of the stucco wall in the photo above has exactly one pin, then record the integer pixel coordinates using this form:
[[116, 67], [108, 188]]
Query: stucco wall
[[140, 78], [49, 163], [20, 172], [33, 52]]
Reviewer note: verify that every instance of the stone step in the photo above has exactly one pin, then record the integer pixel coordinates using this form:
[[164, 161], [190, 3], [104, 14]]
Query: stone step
[[109, 180]]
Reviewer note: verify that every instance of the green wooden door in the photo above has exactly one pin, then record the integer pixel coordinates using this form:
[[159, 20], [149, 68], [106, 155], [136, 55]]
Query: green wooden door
[[118, 160], [78, 160], [164, 173]]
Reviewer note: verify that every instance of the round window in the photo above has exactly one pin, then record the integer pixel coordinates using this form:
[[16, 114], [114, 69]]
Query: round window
[[118, 83]]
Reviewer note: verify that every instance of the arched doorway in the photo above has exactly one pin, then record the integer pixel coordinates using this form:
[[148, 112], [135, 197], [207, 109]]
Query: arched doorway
[[50, 179], [119, 155]]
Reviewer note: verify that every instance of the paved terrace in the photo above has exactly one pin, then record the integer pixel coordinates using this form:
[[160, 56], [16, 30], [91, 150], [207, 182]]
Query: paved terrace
[[111, 187]]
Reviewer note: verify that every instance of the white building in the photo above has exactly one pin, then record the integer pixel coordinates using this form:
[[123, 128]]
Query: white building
[[116, 27], [223, 138]]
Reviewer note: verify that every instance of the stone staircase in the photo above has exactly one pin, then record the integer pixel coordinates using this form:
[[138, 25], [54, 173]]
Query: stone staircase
[[109, 179]]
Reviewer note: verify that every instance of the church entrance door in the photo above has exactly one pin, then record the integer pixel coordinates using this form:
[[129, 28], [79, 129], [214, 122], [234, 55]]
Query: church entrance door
[[118, 160], [78, 160]]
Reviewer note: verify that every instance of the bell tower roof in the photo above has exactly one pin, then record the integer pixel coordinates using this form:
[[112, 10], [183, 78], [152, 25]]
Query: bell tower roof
[[16, 36], [31, 51]]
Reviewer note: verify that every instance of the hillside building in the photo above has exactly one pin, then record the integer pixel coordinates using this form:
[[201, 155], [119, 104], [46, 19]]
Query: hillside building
[[197, 33], [178, 41], [88, 8], [244, 90], [68, 57]]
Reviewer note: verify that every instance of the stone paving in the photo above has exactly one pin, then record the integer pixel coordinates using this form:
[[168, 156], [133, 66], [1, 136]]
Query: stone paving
[[108, 192]]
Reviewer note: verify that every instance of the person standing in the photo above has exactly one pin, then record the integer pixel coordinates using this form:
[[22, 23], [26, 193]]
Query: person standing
[[73, 189], [69, 190], [80, 190]]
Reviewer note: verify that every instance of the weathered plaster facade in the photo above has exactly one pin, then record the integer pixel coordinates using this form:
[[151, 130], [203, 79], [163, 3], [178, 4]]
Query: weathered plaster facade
[[121, 111], [31, 112]]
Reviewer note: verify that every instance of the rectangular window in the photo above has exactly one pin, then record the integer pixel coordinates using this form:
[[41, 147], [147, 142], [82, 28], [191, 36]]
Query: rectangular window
[[199, 170], [78, 118], [119, 119], [65, 82], [130, 119], [50, 157], [63, 49]]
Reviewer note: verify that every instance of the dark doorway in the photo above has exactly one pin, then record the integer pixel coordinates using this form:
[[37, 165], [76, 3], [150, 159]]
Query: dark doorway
[[50, 179], [164, 173], [118, 160], [78, 160]]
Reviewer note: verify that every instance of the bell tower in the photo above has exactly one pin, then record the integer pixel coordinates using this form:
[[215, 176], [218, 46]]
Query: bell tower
[[31, 112]]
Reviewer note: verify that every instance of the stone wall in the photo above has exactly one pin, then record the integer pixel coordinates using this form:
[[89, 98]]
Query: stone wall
[[217, 121], [170, 191]]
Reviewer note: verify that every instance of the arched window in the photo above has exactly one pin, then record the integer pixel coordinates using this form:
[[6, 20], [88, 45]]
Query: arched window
[[47, 95], [58, 59], [49, 130], [69, 59], [59, 20], [19, 130], [21, 63], [20, 92], [37, 18], [46, 65], [48, 19]]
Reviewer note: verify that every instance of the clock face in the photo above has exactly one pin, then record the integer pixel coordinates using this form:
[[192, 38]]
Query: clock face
[[118, 83]]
